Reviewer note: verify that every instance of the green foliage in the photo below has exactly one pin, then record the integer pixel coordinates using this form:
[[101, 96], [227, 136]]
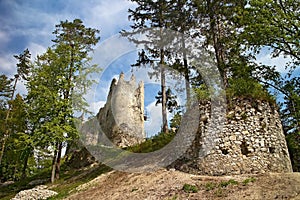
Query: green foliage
[[293, 142], [210, 186], [23, 69], [213, 185], [152, 144], [273, 24], [175, 121], [190, 188], [73, 178], [290, 112], [249, 180], [18, 143], [5, 87], [69, 180], [59, 80], [202, 93], [229, 182], [171, 102], [247, 88], [219, 192], [24, 65]]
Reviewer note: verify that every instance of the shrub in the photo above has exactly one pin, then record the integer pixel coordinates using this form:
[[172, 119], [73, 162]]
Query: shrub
[[202, 93], [248, 88]]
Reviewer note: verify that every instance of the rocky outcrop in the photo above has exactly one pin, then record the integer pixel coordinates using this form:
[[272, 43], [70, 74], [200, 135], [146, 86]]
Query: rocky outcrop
[[37, 193], [122, 117], [251, 141]]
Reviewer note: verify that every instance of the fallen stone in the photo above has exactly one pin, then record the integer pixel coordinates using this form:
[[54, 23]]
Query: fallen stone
[[38, 193]]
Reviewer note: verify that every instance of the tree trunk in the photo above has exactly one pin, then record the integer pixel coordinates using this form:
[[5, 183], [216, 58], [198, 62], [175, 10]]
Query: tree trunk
[[54, 160], [186, 73], [216, 32], [25, 164], [165, 128], [57, 167], [6, 135]]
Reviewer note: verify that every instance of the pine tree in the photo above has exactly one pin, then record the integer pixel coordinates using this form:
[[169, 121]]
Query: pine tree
[[183, 21], [152, 15], [217, 26], [17, 152], [23, 69]]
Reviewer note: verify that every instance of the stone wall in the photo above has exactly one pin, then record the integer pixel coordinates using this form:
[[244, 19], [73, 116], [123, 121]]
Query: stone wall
[[122, 117], [251, 141]]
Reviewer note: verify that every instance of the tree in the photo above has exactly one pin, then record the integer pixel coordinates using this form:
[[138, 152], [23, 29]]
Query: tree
[[290, 117], [152, 15], [17, 151], [183, 21], [171, 102], [23, 69], [274, 24], [291, 109], [56, 88], [175, 121], [217, 26]]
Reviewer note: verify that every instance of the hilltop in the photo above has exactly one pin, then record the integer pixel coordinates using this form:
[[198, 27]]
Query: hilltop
[[173, 184]]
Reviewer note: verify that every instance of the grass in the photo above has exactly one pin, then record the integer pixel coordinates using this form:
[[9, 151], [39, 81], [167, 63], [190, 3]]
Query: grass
[[10, 191], [210, 186], [152, 144], [249, 180], [69, 180], [190, 188], [230, 182], [67, 184]]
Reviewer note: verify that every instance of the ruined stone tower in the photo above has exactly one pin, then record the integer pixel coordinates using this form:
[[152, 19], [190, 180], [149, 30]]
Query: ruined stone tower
[[122, 117], [251, 141]]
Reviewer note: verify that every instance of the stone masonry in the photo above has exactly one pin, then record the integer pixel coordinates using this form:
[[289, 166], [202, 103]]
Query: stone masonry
[[122, 117], [251, 141]]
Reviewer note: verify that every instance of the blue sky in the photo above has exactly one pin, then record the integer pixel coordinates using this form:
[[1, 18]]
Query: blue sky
[[29, 24]]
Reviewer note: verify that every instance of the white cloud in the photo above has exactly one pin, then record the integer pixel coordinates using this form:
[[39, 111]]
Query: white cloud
[[95, 106], [280, 61], [4, 38], [36, 49], [109, 16], [154, 123], [21, 88], [8, 64]]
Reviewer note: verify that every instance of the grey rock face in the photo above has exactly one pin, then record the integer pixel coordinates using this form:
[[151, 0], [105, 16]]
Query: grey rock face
[[122, 117]]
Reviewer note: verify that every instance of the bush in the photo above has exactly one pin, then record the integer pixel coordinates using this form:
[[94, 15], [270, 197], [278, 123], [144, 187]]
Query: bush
[[202, 93], [293, 142], [248, 88]]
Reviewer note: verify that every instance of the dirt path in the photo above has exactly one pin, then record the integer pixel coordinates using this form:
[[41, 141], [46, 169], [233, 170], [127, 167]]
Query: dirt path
[[165, 184]]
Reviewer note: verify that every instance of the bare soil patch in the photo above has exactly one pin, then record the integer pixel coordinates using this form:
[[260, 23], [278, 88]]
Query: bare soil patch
[[164, 184]]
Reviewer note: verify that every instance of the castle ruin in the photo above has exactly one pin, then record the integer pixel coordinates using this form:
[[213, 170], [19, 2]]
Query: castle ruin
[[122, 117], [251, 141]]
